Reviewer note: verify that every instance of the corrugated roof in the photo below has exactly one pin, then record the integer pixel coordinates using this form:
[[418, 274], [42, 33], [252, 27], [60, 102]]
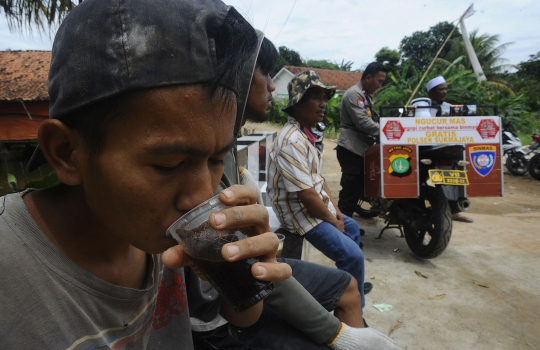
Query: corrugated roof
[[23, 75], [342, 79]]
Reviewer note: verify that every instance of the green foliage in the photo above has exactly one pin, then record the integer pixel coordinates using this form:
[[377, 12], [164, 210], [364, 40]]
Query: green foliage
[[527, 81], [345, 66], [487, 49], [462, 89], [287, 57], [399, 86], [331, 116], [290, 57], [421, 47], [47, 181], [390, 58], [324, 64], [277, 116], [22, 14]]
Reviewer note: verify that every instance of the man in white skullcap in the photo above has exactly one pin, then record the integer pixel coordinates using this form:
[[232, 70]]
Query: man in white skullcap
[[437, 91]]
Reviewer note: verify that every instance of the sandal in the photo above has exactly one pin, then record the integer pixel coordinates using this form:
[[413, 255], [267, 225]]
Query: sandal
[[461, 218]]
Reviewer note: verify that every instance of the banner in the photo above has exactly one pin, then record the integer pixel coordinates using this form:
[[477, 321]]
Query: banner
[[430, 131]]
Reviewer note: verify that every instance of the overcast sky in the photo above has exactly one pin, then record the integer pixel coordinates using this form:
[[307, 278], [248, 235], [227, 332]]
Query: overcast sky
[[355, 30]]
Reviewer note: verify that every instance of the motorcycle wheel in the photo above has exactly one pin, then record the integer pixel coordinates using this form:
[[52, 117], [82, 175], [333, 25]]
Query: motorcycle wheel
[[429, 227], [534, 166], [366, 208], [516, 165]]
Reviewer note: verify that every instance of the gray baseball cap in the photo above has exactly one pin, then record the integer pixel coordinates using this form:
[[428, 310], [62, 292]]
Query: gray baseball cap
[[107, 47]]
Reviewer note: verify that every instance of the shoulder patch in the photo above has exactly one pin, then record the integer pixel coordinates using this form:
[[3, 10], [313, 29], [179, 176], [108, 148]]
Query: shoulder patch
[[360, 102]]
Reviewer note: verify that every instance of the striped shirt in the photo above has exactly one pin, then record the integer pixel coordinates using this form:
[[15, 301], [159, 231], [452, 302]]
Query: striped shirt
[[295, 165]]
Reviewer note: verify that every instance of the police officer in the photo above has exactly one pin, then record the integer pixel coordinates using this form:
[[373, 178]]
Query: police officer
[[358, 132]]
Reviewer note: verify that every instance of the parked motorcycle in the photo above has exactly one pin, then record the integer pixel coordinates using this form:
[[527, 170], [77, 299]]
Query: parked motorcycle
[[534, 162], [517, 159], [426, 221], [412, 182]]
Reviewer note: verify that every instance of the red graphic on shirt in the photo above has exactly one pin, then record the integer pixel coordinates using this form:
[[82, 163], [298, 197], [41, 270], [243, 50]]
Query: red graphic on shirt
[[393, 130], [171, 300], [487, 128]]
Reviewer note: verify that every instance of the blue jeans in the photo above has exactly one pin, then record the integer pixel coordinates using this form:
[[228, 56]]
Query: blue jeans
[[342, 248]]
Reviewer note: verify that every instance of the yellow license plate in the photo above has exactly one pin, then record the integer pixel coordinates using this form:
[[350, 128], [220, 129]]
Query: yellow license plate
[[448, 177]]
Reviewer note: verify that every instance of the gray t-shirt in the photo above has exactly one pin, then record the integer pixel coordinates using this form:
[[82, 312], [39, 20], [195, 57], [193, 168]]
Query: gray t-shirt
[[49, 302]]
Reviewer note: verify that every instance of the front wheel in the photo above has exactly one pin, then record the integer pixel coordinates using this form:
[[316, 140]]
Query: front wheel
[[428, 226], [516, 164], [534, 166]]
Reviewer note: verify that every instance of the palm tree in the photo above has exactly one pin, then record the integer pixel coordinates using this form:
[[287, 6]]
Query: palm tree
[[487, 49], [42, 14]]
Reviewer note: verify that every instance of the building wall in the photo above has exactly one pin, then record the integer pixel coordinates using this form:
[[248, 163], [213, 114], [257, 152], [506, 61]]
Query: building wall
[[281, 80]]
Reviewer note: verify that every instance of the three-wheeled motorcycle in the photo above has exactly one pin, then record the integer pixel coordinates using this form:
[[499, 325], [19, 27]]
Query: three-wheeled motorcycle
[[426, 165]]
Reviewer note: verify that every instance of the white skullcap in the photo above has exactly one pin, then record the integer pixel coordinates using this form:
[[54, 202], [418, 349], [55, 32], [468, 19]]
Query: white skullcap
[[434, 82]]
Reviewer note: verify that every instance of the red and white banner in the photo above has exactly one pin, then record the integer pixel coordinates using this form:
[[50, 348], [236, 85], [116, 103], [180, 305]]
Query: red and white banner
[[428, 131]]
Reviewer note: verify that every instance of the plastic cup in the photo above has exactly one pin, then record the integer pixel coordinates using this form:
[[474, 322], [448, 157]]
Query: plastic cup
[[233, 280], [281, 239]]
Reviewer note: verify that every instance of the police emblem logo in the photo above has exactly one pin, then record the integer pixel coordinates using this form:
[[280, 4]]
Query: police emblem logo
[[360, 102], [400, 165], [483, 158]]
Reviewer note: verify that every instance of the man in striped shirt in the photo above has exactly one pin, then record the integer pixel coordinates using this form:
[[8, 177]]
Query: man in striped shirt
[[300, 196]]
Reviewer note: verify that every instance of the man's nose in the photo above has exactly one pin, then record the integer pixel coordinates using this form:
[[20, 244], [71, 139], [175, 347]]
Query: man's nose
[[271, 85], [194, 189]]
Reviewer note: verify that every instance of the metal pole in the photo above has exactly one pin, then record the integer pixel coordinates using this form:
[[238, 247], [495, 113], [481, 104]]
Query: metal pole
[[430, 65], [436, 56]]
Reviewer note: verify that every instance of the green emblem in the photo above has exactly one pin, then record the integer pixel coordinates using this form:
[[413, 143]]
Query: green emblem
[[401, 165]]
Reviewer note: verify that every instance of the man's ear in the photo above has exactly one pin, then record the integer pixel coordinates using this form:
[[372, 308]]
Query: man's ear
[[61, 145]]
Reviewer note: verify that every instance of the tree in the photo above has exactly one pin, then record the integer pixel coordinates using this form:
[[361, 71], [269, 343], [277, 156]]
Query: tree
[[421, 47], [527, 80], [287, 57], [530, 67], [388, 57], [324, 64], [22, 14], [346, 66], [487, 49]]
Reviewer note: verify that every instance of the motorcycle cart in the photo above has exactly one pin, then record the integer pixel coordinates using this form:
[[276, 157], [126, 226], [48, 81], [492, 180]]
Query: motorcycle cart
[[425, 168]]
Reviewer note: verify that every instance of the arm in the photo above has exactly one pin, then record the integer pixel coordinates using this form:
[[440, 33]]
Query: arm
[[357, 111], [339, 215], [316, 207], [296, 305]]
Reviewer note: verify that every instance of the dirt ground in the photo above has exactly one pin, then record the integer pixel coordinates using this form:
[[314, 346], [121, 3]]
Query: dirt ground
[[481, 293]]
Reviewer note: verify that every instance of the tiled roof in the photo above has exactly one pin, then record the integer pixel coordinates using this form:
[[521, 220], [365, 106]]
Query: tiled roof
[[342, 79], [23, 75]]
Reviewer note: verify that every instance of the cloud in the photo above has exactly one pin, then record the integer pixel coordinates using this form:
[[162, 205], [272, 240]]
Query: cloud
[[355, 31], [350, 30]]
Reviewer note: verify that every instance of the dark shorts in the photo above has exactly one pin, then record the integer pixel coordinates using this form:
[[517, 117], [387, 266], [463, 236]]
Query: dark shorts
[[325, 284]]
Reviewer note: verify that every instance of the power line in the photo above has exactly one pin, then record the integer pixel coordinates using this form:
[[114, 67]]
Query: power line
[[286, 20], [268, 16]]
